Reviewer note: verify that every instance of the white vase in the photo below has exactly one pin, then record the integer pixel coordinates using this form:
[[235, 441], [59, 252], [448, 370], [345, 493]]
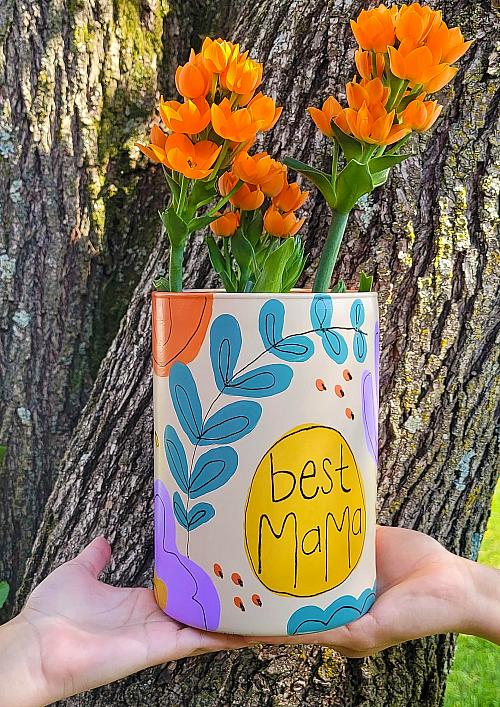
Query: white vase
[[265, 417]]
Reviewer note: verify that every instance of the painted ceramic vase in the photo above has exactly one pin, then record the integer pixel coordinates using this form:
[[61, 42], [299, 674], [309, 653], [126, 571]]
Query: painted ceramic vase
[[265, 417]]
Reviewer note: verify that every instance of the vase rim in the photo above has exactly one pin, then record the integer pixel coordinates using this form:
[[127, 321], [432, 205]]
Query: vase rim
[[294, 294]]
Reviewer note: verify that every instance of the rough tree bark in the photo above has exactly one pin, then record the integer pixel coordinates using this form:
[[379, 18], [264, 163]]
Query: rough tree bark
[[430, 236], [78, 80]]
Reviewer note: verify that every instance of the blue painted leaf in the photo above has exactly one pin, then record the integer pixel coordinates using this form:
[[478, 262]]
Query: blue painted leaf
[[334, 344], [225, 347], [186, 400], [357, 313], [321, 311], [262, 381], [212, 470], [359, 346], [321, 319], [289, 348], [199, 514], [180, 510], [231, 423], [176, 457]]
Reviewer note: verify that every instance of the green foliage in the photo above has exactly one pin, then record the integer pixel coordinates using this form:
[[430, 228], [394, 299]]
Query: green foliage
[[365, 282], [4, 592], [473, 680], [3, 452]]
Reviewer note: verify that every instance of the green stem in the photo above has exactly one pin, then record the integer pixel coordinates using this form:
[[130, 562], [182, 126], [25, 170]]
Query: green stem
[[175, 267], [182, 197], [399, 144], [330, 252], [225, 199], [335, 160]]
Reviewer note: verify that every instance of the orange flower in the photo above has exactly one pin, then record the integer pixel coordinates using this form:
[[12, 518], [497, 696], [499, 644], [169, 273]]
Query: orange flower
[[281, 225], [192, 79], [290, 198], [375, 128], [323, 118], [247, 198], [445, 76], [217, 53], [262, 170], [237, 126], [263, 109], [364, 64], [415, 21], [420, 115], [192, 160], [374, 29], [156, 148], [372, 92], [447, 45], [226, 224], [415, 65], [190, 117], [242, 75], [227, 182]]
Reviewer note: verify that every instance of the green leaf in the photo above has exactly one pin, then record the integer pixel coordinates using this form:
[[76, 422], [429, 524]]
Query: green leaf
[[253, 231], [162, 284], [173, 185], [176, 228], [201, 221], [380, 164], [3, 452], [365, 282], [4, 592], [351, 147], [340, 287], [294, 267], [353, 182], [271, 277], [316, 176], [244, 255], [219, 264], [380, 178]]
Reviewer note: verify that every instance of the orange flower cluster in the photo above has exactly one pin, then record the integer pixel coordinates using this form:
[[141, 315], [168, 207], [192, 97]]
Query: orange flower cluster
[[221, 112], [252, 179], [403, 55]]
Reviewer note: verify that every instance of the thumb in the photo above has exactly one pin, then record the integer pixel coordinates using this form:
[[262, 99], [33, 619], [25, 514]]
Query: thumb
[[95, 556]]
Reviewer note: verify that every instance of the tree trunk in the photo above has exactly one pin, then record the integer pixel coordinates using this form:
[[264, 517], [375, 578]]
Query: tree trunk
[[430, 237], [80, 80]]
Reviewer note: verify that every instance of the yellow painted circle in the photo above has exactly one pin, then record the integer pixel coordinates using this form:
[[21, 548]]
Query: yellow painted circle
[[305, 517]]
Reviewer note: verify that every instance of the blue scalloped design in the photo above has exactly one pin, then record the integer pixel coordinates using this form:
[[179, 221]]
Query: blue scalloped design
[[313, 619]]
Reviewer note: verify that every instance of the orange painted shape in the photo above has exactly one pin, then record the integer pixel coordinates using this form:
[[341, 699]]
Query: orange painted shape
[[256, 600], [180, 324], [218, 571], [160, 591], [339, 391], [349, 414], [320, 384], [347, 376], [239, 603], [236, 578]]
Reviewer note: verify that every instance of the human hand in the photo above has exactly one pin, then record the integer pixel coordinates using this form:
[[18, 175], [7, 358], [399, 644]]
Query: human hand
[[422, 589], [76, 633]]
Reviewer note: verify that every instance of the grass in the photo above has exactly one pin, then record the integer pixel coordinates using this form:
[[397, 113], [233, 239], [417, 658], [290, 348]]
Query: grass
[[474, 677]]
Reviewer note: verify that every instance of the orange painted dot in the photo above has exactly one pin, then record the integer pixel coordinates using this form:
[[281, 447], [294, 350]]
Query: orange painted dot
[[347, 375], [339, 391], [256, 600], [320, 385], [237, 579], [218, 571], [238, 603], [349, 414]]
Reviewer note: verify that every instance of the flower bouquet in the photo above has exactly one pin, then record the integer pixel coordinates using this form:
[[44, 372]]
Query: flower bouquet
[[265, 396]]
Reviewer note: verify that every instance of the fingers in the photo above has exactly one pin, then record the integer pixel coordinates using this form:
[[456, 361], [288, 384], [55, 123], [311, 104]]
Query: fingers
[[213, 642], [95, 556]]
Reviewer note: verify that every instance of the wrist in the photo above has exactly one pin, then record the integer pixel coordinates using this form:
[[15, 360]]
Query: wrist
[[482, 601], [23, 683]]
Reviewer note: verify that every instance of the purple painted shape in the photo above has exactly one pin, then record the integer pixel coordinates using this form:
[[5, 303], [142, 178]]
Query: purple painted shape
[[377, 361], [191, 595], [370, 422]]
